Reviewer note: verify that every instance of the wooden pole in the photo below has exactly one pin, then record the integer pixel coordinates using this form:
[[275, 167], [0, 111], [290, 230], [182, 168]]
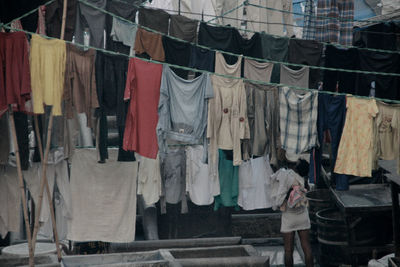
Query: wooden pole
[[46, 154], [21, 185], [53, 217]]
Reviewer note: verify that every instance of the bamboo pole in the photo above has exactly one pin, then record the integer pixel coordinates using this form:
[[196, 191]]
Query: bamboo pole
[[46, 154], [21, 185], [53, 217]]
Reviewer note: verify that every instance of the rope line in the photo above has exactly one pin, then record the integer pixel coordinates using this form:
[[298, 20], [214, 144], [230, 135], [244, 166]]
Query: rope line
[[208, 72], [233, 54]]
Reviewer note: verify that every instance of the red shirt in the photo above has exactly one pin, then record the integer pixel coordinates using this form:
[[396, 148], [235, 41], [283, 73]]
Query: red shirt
[[143, 89], [15, 80]]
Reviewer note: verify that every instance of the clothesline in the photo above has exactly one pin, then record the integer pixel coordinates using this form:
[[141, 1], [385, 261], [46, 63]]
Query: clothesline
[[214, 24], [233, 54], [209, 72]]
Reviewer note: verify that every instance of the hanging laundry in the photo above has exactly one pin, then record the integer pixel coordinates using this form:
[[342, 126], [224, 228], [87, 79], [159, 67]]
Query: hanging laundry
[[143, 89], [173, 174], [54, 12], [342, 81], [227, 12], [94, 19], [380, 36], [22, 132], [228, 181], [309, 20], [202, 59], [334, 21], [270, 19], [182, 109], [57, 173], [111, 80], [15, 80], [155, 19], [183, 28], [161, 4], [80, 84], [296, 77], [355, 149], [149, 180], [150, 44], [396, 125], [275, 48], [227, 112], [103, 198], [221, 38], [258, 101], [4, 139], [47, 68], [385, 86], [307, 52], [255, 184], [331, 116], [120, 33], [10, 199], [200, 186], [387, 135], [252, 47], [298, 120], [177, 53], [256, 96]]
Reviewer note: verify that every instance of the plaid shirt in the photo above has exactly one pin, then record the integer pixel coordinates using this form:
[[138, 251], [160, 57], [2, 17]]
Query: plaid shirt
[[298, 120], [309, 21], [338, 27]]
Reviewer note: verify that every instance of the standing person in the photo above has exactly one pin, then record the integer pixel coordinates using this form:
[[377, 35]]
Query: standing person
[[295, 215]]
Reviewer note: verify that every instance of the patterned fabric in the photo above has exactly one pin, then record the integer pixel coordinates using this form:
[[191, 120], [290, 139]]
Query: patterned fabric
[[309, 21], [298, 120], [334, 21], [356, 144]]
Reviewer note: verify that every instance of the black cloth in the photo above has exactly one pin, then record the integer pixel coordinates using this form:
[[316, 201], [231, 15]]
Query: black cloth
[[155, 19], [124, 10], [252, 47], [385, 86], [54, 12], [340, 59], [379, 36], [221, 38], [183, 28], [177, 53], [110, 83], [275, 48], [10, 10], [202, 59], [307, 52], [21, 128]]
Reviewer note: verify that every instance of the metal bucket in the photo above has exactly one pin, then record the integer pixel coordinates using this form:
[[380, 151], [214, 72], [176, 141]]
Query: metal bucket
[[318, 200], [333, 236]]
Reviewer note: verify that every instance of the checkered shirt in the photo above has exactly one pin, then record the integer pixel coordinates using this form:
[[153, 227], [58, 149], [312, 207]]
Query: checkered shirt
[[298, 120], [309, 21], [339, 26]]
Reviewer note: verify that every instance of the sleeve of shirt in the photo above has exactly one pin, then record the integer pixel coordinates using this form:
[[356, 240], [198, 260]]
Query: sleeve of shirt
[[373, 108], [67, 94], [130, 79], [163, 111], [26, 78], [243, 120], [209, 87]]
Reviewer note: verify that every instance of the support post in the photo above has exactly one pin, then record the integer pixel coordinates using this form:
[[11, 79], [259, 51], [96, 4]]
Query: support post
[[396, 218], [21, 185]]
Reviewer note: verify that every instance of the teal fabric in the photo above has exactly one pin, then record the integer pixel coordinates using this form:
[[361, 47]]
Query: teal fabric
[[228, 180]]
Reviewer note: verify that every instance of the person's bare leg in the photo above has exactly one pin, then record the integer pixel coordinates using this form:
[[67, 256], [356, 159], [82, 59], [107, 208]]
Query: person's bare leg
[[305, 245], [288, 240]]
